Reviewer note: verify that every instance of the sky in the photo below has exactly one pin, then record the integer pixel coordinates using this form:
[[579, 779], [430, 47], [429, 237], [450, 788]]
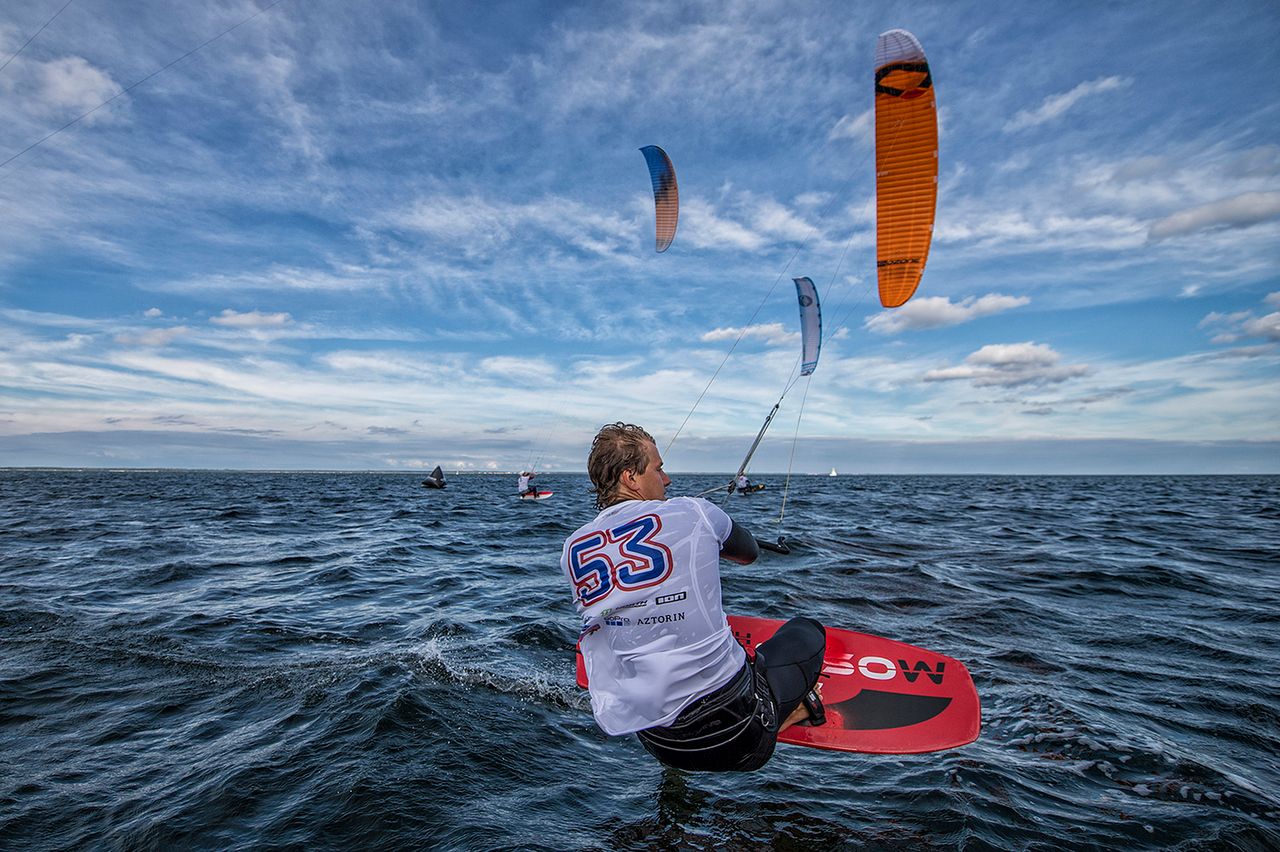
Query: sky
[[381, 235]]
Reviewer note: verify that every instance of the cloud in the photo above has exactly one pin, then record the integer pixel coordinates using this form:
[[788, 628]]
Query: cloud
[[1040, 228], [20, 343], [1244, 210], [1215, 318], [420, 464], [703, 227], [275, 278], [519, 369], [382, 365], [1240, 325], [1243, 352], [250, 319], [1103, 395], [1056, 105], [747, 221], [159, 337], [1267, 327], [772, 333], [859, 127], [813, 199], [1010, 365], [52, 320], [1262, 161], [274, 75], [778, 220], [478, 226], [72, 84], [153, 312], [940, 311]]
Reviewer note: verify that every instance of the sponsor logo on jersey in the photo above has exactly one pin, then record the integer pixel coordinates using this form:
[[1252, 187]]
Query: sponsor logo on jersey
[[618, 609], [666, 599], [669, 618]]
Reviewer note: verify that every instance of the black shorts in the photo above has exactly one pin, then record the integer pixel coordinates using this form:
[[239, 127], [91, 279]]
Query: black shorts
[[735, 728]]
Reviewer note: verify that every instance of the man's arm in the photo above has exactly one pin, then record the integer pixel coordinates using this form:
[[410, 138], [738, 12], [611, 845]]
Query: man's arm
[[740, 546]]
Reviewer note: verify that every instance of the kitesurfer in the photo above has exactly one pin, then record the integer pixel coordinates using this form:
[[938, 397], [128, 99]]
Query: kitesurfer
[[661, 659], [742, 482], [524, 485], [435, 480]]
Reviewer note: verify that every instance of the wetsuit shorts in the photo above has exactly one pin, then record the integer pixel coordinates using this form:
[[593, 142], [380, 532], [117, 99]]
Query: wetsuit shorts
[[735, 728]]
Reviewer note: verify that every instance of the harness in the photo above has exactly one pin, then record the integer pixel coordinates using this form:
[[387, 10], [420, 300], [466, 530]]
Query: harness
[[716, 720]]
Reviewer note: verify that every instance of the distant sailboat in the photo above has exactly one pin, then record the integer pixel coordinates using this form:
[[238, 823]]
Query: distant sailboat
[[833, 472]]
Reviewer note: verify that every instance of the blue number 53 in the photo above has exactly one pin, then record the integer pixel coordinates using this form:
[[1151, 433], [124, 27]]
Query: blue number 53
[[626, 557]]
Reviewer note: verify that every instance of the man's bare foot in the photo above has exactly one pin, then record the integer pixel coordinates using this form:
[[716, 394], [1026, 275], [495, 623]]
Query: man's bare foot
[[801, 712]]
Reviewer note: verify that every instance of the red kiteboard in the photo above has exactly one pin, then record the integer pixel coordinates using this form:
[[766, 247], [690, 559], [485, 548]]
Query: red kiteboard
[[881, 696]]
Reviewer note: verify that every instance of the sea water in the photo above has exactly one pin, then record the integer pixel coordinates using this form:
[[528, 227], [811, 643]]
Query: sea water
[[224, 660]]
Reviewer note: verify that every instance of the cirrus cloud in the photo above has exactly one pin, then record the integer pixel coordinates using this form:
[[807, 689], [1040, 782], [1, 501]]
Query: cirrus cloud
[[858, 127], [1055, 105]]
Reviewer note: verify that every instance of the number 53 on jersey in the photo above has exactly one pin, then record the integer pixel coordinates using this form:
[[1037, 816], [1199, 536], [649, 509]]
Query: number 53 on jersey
[[626, 557]]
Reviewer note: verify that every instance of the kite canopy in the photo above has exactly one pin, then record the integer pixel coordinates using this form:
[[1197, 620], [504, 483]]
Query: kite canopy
[[906, 164], [810, 324], [666, 196]]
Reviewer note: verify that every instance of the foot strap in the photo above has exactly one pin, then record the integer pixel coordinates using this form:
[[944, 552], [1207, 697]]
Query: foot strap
[[817, 714]]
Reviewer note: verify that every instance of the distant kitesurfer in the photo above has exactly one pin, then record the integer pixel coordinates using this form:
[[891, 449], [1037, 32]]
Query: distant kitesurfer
[[660, 657], [742, 482], [435, 480], [523, 485]]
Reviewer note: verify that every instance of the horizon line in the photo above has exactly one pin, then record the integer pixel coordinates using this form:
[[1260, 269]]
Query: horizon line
[[424, 472]]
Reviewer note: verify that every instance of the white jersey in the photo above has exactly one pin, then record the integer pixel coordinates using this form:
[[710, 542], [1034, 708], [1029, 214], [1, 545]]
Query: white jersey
[[646, 581], [522, 484]]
